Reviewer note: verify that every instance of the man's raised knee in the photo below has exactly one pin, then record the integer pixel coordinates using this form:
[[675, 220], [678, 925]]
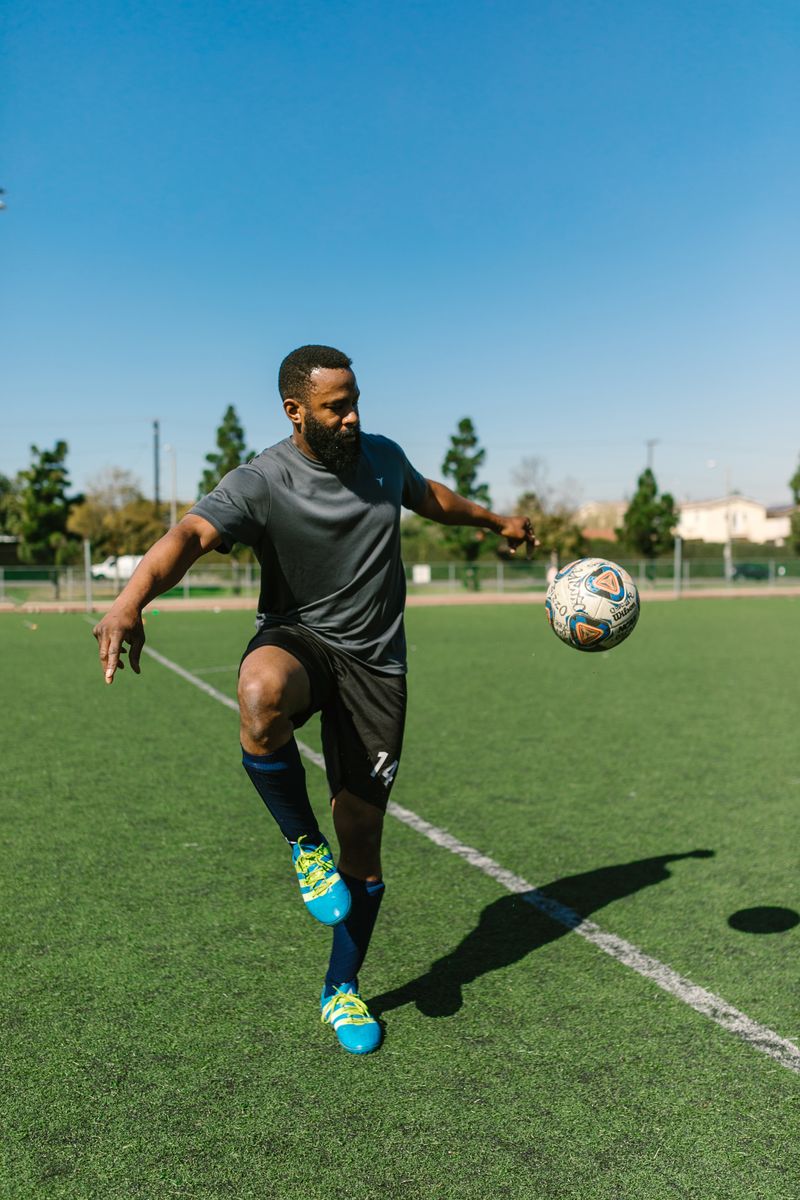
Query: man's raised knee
[[273, 688], [262, 707]]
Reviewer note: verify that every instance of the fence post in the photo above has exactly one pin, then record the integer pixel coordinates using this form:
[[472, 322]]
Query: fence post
[[677, 568], [87, 573]]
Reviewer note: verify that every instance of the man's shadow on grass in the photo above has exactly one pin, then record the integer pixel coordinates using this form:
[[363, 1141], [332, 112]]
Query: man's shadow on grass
[[515, 925]]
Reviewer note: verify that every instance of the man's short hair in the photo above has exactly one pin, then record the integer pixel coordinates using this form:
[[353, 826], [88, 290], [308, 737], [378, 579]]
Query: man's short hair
[[294, 376]]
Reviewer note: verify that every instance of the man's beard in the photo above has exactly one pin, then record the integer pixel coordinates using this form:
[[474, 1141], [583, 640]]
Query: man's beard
[[338, 450]]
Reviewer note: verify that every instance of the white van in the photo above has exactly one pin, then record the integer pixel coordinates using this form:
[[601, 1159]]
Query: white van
[[117, 567]]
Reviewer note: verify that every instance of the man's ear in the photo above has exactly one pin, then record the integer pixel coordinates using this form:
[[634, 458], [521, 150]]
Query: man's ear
[[292, 409]]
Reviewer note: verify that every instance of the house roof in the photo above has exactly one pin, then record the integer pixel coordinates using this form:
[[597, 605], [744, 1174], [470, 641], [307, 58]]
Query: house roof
[[720, 501]]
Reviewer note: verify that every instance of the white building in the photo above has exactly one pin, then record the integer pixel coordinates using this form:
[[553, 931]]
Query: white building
[[736, 517], [699, 520], [599, 518]]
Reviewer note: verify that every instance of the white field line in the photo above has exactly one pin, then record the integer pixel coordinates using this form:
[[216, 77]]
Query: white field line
[[759, 1037]]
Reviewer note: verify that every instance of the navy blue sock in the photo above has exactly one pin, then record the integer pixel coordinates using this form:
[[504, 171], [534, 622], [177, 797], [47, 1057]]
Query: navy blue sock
[[351, 936], [280, 781]]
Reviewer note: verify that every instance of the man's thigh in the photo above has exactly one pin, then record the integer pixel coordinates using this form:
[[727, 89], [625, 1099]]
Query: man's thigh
[[362, 732], [281, 659], [270, 676]]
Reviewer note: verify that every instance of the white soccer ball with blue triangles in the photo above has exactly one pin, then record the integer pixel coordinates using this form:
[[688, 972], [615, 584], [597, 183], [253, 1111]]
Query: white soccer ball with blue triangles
[[592, 604]]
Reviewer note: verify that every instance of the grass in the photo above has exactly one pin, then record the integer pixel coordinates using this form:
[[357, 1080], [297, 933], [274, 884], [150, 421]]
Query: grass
[[161, 980]]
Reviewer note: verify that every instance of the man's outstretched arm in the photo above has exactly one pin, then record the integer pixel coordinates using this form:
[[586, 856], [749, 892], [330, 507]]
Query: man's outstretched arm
[[442, 504], [164, 565]]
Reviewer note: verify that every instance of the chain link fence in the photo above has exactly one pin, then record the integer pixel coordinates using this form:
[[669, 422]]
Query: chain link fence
[[73, 585]]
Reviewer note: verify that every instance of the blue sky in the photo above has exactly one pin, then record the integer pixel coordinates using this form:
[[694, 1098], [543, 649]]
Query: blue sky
[[577, 223]]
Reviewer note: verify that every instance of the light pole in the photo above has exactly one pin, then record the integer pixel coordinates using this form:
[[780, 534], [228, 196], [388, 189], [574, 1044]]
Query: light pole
[[728, 547], [173, 493], [727, 552], [156, 467]]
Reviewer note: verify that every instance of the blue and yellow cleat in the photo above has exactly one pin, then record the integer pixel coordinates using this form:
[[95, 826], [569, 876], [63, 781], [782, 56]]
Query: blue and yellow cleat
[[357, 1031], [321, 885]]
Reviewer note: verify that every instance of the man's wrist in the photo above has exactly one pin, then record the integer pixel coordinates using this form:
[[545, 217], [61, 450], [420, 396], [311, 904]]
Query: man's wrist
[[129, 609]]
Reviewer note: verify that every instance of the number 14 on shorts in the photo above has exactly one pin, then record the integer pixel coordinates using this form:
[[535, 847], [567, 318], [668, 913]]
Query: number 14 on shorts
[[387, 774]]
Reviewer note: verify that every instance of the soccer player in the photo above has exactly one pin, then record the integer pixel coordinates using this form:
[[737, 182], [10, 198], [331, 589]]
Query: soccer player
[[321, 510]]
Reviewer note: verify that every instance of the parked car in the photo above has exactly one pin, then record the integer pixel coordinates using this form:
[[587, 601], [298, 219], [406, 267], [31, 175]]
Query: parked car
[[750, 571], [117, 566]]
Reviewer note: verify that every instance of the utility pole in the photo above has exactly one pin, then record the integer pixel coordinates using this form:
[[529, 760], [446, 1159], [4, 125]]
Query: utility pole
[[87, 572], [728, 551], [173, 490], [157, 468], [650, 444], [677, 566]]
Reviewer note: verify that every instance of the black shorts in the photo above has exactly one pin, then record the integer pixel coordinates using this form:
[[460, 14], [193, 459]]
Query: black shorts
[[363, 713]]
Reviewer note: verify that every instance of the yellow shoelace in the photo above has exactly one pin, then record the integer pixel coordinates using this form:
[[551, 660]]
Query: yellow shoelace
[[346, 1004], [315, 866]]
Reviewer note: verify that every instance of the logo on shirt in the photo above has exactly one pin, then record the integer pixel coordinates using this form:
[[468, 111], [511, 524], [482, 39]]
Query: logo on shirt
[[379, 479]]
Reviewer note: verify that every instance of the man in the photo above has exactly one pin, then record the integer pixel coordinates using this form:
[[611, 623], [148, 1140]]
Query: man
[[321, 509]]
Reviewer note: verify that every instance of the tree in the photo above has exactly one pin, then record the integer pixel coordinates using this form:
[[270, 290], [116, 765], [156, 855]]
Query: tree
[[556, 528], [230, 452], [422, 541], [8, 492], [551, 509], [461, 464], [135, 527], [39, 510], [794, 520], [115, 516], [649, 519], [532, 475]]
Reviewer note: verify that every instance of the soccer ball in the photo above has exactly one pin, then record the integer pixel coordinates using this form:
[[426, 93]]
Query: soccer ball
[[592, 604]]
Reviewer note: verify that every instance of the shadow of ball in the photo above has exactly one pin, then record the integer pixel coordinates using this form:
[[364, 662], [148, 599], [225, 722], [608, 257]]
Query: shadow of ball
[[765, 919]]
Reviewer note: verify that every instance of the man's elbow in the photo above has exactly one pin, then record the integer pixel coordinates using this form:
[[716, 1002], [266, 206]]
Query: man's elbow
[[430, 507], [198, 533]]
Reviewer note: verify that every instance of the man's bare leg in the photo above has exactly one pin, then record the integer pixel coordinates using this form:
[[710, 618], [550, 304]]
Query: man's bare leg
[[273, 689], [358, 827]]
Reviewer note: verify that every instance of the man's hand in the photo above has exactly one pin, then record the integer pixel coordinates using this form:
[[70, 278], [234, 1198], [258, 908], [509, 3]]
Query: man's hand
[[447, 507], [116, 627], [164, 565], [518, 530]]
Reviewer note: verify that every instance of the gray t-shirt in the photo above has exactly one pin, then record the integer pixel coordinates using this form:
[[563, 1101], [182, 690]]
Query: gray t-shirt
[[329, 550]]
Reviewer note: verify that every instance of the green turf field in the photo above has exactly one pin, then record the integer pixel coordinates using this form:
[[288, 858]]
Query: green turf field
[[161, 978]]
